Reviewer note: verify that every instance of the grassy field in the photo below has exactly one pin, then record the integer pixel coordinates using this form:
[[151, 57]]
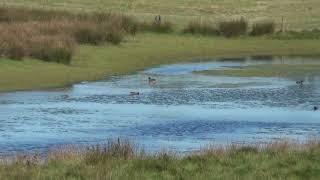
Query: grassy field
[[120, 160], [145, 50], [298, 14]]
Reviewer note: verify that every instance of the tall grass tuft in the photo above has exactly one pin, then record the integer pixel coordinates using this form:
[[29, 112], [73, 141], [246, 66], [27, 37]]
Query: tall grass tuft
[[263, 28], [233, 28], [52, 48], [30, 39], [158, 27], [119, 148], [52, 35], [195, 27]]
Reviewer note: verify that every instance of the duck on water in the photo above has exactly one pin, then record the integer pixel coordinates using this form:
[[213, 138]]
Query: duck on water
[[134, 93], [152, 81], [300, 82]]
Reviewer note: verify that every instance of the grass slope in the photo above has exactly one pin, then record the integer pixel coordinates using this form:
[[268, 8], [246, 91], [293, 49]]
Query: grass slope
[[145, 50], [299, 14]]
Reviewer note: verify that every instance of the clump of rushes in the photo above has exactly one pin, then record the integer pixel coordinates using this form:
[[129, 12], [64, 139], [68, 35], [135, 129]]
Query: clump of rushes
[[162, 27], [155, 26], [52, 35], [195, 27], [114, 148], [233, 28], [30, 39], [89, 33], [57, 48], [263, 28]]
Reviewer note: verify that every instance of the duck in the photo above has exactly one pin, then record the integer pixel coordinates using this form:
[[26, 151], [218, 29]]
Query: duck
[[300, 82], [152, 81], [315, 108], [134, 93]]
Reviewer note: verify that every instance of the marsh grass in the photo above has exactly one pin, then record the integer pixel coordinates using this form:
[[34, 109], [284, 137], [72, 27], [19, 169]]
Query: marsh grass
[[121, 159], [263, 28], [204, 28], [228, 29], [157, 27], [53, 35], [34, 40], [233, 28]]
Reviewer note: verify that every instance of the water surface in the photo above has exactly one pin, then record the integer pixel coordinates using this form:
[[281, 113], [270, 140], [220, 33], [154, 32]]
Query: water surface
[[182, 112]]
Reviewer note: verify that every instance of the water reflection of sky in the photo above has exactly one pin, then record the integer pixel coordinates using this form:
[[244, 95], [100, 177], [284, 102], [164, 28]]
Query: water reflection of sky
[[182, 111]]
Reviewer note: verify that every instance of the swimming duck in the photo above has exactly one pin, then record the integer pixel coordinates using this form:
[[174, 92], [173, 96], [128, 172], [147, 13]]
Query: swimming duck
[[152, 81], [315, 108], [300, 82], [134, 93]]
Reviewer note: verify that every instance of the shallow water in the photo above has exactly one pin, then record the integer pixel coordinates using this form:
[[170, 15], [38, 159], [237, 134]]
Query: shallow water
[[182, 112]]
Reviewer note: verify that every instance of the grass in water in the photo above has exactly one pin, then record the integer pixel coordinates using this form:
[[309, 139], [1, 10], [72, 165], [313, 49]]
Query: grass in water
[[275, 70]]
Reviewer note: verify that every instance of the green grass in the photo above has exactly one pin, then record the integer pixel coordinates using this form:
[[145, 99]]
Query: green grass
[[143, 51], [275, 70], [117, 161], [298, 14]]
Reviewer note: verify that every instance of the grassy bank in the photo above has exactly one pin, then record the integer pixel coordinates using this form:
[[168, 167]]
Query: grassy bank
[[121, 160], [143, 51]]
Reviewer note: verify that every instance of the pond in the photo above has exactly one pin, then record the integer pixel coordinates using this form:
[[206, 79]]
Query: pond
[[183, 111]]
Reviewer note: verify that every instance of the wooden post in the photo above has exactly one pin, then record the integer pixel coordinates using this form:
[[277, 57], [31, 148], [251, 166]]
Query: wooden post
[[282, 24]]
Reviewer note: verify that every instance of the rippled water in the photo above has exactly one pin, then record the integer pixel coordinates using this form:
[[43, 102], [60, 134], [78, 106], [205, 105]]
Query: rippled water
[[181, 112]]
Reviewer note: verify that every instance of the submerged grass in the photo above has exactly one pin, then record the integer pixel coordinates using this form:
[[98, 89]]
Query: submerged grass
[[120, 159], [268, 70]]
